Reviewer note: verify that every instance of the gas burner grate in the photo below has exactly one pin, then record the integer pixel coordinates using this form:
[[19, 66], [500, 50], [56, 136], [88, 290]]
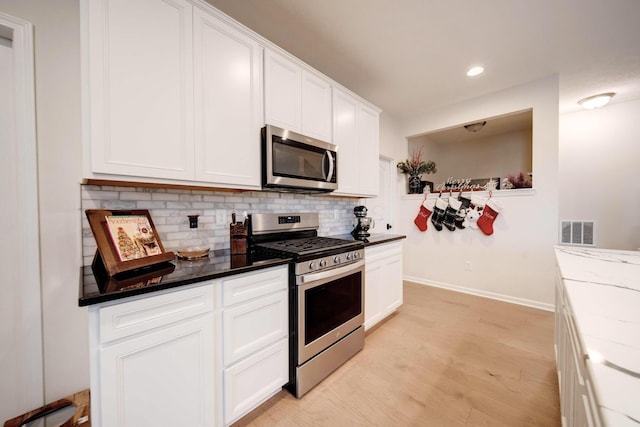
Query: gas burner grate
[[307, 245]]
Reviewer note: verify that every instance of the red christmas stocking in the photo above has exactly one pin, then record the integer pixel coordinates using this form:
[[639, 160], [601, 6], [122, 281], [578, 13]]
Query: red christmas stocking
[[423, 216], [489, 214]]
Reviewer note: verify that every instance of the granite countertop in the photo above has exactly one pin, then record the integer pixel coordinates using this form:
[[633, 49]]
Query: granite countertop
[[373, 239], [603, 292], [98, 287]]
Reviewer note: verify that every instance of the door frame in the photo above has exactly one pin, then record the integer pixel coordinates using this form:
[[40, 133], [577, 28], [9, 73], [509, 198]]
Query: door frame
[[20, 32]]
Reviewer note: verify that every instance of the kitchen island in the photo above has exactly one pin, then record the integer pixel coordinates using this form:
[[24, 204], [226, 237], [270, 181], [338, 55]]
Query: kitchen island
[[598, 336]]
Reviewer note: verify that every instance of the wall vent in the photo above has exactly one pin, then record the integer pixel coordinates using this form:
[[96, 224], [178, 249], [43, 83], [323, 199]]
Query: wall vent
[[577, 233]]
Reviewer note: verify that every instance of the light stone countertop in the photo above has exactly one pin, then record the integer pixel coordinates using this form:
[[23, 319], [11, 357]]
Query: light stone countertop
[[603, 291]]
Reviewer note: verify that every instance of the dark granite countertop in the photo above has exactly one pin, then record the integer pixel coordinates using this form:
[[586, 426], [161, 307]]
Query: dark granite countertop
[[97, 288], [373, 239]]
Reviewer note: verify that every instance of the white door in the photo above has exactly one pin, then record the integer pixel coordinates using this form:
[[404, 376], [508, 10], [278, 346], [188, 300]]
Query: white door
[[21, 366], [381, 208]]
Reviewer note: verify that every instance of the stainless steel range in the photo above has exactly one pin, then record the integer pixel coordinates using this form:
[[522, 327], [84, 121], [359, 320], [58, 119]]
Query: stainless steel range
[[326, 294]]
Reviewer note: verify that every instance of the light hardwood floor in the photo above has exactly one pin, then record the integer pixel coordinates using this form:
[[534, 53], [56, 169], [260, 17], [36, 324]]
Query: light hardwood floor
[[444, 359]]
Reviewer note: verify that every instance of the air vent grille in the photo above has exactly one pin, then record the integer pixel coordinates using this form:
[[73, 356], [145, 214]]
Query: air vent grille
[[577, 233]]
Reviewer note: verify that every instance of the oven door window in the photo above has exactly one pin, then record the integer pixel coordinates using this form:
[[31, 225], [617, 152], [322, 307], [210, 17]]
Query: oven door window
[[330, 305], [297, 160]]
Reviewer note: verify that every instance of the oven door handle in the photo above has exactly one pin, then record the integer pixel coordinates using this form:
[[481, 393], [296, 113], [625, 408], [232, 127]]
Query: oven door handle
[[322, 275]]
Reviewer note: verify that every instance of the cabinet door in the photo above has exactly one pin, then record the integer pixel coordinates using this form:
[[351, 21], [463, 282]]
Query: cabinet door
[[140, 80], [316, 107], [345, 136], [254, 379], [373, 304], [368, 150], [253, 325], [283, 92], [392, 294], [228, 103], [383, 281], [161, 378]]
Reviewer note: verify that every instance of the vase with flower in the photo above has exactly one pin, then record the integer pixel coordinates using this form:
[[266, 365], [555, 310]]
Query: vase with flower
[[415, 167]]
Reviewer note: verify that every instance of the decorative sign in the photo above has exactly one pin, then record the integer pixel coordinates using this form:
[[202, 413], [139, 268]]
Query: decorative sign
[[469, 184], [127, 240]]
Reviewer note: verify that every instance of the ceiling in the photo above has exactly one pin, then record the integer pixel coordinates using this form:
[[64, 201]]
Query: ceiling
[[515, 122], [410, 56]]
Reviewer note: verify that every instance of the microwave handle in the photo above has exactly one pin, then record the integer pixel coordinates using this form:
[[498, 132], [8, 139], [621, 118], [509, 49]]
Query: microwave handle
[[329, 174]]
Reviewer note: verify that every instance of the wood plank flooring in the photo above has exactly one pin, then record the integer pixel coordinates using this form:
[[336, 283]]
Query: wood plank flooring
[[444, 359]]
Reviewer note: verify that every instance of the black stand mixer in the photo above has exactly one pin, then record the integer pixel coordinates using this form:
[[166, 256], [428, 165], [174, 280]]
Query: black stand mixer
[[362, 223]]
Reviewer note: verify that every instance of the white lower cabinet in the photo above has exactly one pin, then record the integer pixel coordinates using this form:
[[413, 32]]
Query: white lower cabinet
[[254, 379], [203, 355], [577, 405], [152, 360], [383, 281], [255, 339]]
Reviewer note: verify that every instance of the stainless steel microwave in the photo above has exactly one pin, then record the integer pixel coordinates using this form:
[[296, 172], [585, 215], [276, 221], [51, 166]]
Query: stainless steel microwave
[[294, 162]]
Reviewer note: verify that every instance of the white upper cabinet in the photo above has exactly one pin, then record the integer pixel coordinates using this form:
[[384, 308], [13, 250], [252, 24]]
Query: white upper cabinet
[[316, 107], [368, 150], [295, 98], [228, 103], [141, 87], [174, 93], [282, 92], [345, 136], [355, 132]]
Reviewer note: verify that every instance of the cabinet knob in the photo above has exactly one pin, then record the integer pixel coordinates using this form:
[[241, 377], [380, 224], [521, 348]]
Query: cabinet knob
[[388, 226]]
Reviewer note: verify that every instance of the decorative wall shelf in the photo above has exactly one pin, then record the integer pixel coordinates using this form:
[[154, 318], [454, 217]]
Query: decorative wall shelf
[[516, 192]]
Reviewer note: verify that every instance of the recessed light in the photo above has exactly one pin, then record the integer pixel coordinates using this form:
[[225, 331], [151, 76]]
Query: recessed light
[[474, 71], [596, 101]]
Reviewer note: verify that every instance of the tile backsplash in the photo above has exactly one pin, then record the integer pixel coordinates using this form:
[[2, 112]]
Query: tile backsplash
[[169, 209]]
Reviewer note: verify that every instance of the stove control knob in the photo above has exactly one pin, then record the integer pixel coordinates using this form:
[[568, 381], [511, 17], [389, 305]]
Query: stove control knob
[[323, 263], [336, 259], [356, 255], [348, 257], [312, 265]]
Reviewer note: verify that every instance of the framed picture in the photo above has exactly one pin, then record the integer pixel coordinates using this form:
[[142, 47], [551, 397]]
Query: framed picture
[[127, 240]]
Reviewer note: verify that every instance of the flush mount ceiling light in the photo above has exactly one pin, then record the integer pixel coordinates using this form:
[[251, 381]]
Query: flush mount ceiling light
[[475, 127], [596, 101], [474, 71]]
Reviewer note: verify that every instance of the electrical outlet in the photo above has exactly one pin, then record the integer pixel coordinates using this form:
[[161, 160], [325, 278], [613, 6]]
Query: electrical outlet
[[336, 214], [468, 266], [221, 216]]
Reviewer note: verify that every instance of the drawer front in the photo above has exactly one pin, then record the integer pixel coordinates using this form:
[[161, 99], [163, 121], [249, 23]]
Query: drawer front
[[252, 285], [253, 325], [130, 318], [249, 383], [382, 251]]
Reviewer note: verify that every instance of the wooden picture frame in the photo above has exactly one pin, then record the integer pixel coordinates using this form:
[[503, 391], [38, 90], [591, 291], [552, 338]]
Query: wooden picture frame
[[127, 240]]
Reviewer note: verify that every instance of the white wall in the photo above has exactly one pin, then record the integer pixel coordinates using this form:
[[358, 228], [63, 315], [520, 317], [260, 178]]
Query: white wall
[[599, 172], [515, 263], [392, 141], [57, 66]]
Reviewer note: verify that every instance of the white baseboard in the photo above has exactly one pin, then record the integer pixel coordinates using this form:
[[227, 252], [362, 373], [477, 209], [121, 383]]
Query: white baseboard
[[484, 294]]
